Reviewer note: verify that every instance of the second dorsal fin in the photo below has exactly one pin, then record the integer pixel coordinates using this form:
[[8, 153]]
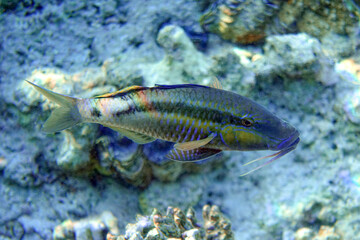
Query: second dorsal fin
[[215, 83]]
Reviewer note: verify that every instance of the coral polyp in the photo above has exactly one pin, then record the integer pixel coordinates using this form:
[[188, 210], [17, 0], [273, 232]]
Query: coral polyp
[[240, 21], [246, 22], [176, 224]]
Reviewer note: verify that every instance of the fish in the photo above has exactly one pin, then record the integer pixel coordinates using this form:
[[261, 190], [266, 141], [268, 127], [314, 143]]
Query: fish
[[201, 121]]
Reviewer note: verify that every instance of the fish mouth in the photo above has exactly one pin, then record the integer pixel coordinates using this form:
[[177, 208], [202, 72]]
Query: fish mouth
[[284, 148], [289, 142]]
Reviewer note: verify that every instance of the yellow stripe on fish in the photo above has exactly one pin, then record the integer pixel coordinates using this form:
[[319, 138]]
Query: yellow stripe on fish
[[201, 120]]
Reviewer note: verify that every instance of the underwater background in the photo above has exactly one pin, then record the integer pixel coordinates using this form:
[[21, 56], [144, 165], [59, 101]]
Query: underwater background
[[298, 58]]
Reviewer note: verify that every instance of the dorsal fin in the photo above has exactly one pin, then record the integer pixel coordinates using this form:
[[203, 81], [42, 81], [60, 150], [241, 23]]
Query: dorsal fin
[[159, 86], [215, 83], [121, 92]]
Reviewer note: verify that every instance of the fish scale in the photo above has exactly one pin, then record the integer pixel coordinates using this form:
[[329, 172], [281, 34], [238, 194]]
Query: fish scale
[[159, 105]]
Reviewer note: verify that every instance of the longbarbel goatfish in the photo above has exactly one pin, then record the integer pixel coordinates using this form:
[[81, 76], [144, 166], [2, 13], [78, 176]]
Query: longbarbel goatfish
[[202, 121]]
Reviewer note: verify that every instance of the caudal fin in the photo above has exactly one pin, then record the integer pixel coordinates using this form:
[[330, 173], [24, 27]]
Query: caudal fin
[[67, 115]]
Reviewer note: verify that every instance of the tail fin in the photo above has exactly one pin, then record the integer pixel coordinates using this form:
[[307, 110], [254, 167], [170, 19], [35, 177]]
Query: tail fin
[[67, 115]]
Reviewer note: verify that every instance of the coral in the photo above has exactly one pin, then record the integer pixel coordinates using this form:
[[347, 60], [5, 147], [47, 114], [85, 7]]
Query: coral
[[177, 225], [326, 16], [234, 66], [240, 21], [73, 153], [326, 233], [349, 70], [250, 21], [304, 234], [174, 224], [182, 62], [215, 224], [116, 155], [87, 228], [337, 46], [295, 56]]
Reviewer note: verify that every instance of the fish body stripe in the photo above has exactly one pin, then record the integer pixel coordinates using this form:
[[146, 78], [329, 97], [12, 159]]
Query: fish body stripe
[[177, 115]]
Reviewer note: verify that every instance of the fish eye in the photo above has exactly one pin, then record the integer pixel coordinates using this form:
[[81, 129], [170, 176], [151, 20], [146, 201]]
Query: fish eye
[[247, 122]]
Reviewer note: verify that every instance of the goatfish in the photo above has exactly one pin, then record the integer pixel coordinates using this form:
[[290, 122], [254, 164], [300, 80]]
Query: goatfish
[[202, 121]]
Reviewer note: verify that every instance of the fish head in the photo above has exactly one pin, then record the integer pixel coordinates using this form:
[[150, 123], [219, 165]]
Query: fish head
[[259, 129], [277, 133]]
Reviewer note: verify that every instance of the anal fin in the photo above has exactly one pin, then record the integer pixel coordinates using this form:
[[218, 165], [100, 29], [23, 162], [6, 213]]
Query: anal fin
[[193, 155], [134, 136]]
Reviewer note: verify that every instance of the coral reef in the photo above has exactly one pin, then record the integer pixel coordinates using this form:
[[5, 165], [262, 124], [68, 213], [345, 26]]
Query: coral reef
[[86, 48], [116, 155], [215, 224], [174, 224], [182, 60], [240, 21], [94, 228], [250, 21], [185, 64], [177, 225], [282, 58]]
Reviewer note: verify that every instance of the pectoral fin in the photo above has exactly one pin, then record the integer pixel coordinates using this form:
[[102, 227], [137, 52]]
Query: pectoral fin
[[134, 136], [193, 155], [185, 146]]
